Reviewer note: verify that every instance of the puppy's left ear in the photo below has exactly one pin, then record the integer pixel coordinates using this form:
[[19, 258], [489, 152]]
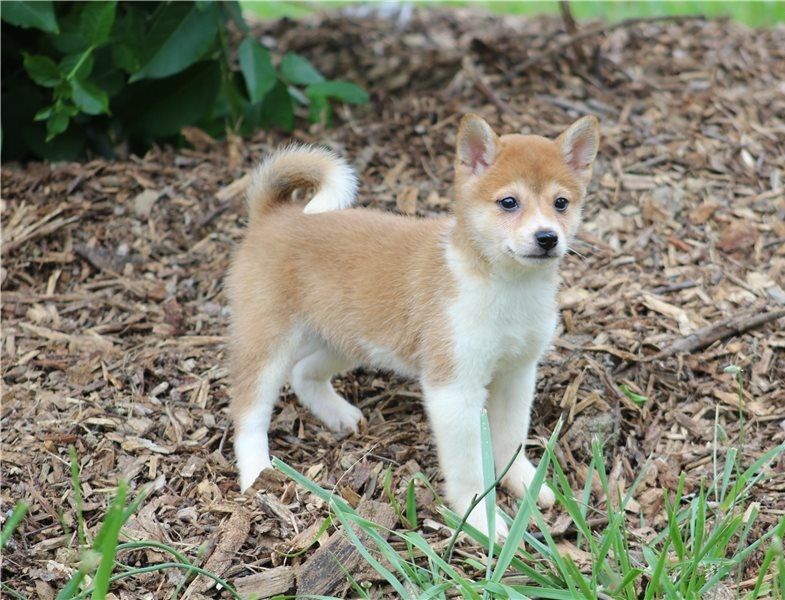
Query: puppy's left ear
[[579, 145], [476, 145]]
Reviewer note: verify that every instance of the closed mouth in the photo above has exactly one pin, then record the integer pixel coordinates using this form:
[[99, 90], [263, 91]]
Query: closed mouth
[[544, 256]]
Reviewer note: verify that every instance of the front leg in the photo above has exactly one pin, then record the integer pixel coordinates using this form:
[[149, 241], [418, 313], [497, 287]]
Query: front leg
[[454, 411], [509, 407]]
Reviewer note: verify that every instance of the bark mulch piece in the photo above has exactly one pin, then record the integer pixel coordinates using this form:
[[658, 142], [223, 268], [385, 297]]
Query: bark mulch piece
[[114, 317]]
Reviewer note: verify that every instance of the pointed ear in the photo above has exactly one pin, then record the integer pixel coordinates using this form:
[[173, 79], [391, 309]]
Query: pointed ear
[[579, 145], [476, 148]]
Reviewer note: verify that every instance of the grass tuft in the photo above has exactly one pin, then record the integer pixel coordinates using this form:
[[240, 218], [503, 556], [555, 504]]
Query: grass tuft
[[705, 543], [98, 561]]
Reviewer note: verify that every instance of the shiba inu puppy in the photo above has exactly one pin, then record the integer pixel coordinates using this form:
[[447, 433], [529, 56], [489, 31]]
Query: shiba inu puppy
[[464, 303]]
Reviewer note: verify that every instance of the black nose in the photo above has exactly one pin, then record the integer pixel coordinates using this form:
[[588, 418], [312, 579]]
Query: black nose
[[546, 239]]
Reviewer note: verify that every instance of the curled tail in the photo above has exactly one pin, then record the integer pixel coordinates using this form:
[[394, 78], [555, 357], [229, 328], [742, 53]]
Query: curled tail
[[302, 166]]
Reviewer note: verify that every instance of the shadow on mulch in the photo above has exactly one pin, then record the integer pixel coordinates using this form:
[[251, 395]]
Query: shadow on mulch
[[114, 317]]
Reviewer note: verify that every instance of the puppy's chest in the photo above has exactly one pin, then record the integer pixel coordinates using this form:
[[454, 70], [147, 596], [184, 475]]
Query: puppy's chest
[[496, 323]]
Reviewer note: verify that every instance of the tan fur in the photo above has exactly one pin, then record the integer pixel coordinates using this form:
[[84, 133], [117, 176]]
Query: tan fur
[[291, 168], [350, 275]]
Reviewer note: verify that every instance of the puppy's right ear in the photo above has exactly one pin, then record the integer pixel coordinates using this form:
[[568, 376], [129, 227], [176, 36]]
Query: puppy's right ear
[[477, 145]]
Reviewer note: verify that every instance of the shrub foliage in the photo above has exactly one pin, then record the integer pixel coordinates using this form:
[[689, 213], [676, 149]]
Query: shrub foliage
[[85, 76]]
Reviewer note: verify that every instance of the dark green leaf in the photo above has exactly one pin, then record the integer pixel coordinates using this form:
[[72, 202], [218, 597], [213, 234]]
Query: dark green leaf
[[89, 97], [129, 44], [56, 124], [298, 96], [83, 63], [26, 14], [277, 109], [105, 74], [70, 40], [296, 69], [320, 111], [339, 90], [188, 35], [158, 109], [43, 70], [257, 69], [97, 20], [44, 113]]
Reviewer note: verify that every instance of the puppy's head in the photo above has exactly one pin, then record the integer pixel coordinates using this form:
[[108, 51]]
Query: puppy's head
[[520, 196]]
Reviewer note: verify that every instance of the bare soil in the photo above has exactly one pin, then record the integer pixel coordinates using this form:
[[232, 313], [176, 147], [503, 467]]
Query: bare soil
[[114, 316]]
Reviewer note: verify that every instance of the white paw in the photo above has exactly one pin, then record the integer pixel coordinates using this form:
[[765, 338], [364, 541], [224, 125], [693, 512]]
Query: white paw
[[253, 456], [520, 477], [479, 520], [546, 498], [341, 416]]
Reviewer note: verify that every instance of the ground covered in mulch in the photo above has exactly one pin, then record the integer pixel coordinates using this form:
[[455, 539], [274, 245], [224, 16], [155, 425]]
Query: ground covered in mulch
[[114, 316]]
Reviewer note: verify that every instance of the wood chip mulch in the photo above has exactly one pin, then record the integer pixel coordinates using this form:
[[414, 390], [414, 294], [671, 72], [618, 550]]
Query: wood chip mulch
[[114, 316]]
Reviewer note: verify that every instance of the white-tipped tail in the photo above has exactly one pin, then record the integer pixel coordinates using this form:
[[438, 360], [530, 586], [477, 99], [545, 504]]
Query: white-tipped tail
[[302, 166]]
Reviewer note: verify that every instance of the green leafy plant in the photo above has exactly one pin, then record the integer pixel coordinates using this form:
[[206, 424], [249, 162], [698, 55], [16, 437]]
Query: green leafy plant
[[87, 76]]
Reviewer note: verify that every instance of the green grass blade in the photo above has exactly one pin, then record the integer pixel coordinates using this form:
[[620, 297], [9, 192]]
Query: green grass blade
[[388, 491], [324, 527], [629, 580], [12, 592], [525, 508], [437, 591], [673, 525], [549, 594], [751, 476], [411, 505], [554, 555], [309, 485], [576, 512], [488, 477], [547, 580], [751, 515], [499, 590], [420, 543], [12, 523], [163, 567], [113, 522], [164, 548], [730, 463], [76, 485], [579, 579], [656, 578]]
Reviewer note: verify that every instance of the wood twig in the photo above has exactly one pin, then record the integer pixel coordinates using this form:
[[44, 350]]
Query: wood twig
[[484, 88], [325, 571], [706, 336], [599, 29], [572, 29]]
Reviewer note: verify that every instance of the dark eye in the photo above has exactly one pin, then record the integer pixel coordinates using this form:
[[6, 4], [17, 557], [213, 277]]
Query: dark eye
[[508, 203], [560, 204]]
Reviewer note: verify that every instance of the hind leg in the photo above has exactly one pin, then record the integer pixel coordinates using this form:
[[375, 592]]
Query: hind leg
[[256, 391], [310, 380]]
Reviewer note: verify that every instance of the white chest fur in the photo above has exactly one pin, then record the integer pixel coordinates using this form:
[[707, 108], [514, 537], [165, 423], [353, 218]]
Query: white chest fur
[[500, 321]]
